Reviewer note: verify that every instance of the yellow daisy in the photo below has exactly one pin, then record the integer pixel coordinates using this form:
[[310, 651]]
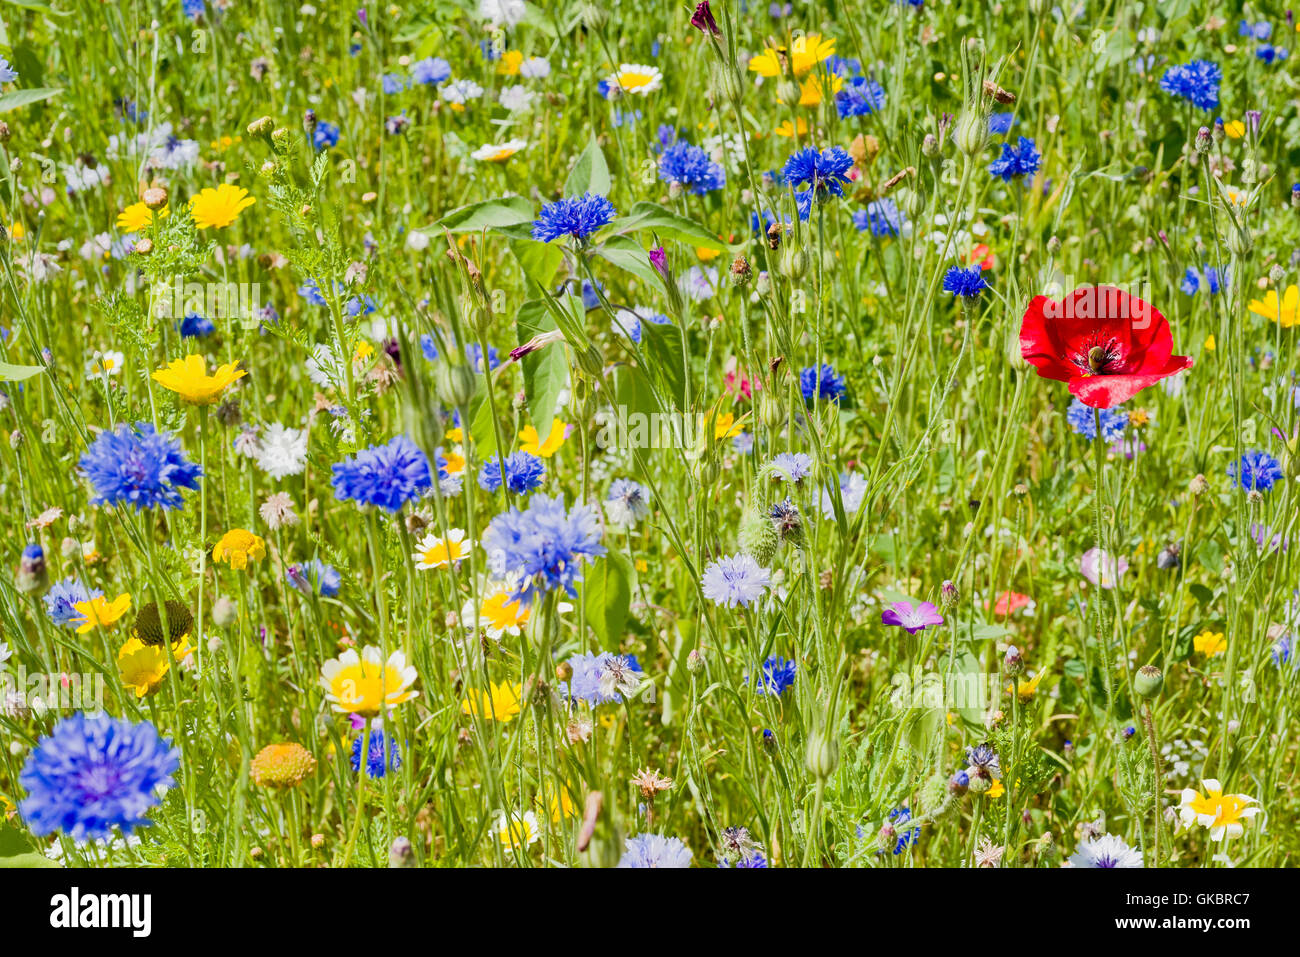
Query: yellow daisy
[[530, 444], [811, 90], [516, 830], [238, 547], [1210, 644], [136, 217], [1224, 815], [142, 667], [100, 613], [787, 129], [501, 703], [365, 684], [189, 379], [509, 63], [221, 206], [435, 551], [804, 54], [1235, 129], [1284, 311]]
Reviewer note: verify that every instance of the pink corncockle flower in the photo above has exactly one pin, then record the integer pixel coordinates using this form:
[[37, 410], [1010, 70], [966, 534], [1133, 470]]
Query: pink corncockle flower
[[912, 617], [1102, 568], [659, 259]]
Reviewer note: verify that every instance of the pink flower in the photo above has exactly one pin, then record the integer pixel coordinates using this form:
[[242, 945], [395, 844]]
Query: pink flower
[[911, 617], [1102, 568]]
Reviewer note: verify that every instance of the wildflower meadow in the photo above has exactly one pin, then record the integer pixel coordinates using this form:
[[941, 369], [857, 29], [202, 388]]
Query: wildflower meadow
[[545, 433]]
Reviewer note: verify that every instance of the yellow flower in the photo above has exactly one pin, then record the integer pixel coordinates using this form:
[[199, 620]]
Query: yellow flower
[[499, 704], [456, 435], [453, 463], [189, 379], [1286, 311], [1210, 644], [498, 153], [1209, 343], [221, 206], [7, 807], [805, 54], [562, 805], [136, 217], [499, 615], [435, 551], [281, 766], [529, 440], [100, 613], [509, 64], [996, 790], [142, 667], [1025, 690], [17, 231], [516, 831], [365, 684], [811, 89], [707, 255], [238, 547], [1224, 815], [1235, 129], [637, 79], [787, 129], [725, 426]]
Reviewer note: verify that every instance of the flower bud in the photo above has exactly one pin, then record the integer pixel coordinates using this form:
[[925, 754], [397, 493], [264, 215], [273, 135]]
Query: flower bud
[[972, 133], [454, 384], [401, 853], [1203, 140], [758, 536], [822, 755], [695, 661], [224, 612], [32, 574]]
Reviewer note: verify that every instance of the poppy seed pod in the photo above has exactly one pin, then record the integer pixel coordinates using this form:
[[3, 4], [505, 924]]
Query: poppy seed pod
[[972, 133], [1148, 681], [454, 384], [822, 756]]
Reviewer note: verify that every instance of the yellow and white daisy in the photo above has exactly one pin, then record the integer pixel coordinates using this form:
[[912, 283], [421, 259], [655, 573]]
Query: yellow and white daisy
[[516, 830], [805, 53], [434, 551], [637, 78], [492, 153], [1225, 815], [105, 364], [365, 684]]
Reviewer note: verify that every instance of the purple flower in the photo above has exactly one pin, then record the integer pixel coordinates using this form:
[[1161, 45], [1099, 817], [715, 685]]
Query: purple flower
[[911, 617], [659, 259], [1102, 568], [703, 20]]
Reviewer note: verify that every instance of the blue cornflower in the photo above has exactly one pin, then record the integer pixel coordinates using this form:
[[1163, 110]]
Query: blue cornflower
[[1208, 279], [753, 859], [826, 173], [861, 96], [1256, 31], [523, 473], [314, 577], [627, 502], [1283, 652], [392, 83], [543, 547], [821, 384], [140, 466], [791, 467], [591, 294], [359, 306], [474, 353], [778, 675], [92, 774], [61, 598], [603, 678], [691, 167], [1197, 82], [382, 756], [655, 850], [1019, 160], [666, 135], [7, 73], [901, 817], [735, 580], [326, 135], [193, 8], [578, 217], [1256, 471], [1268, 53], [1083, 422], [882, 217], [386, 476], [1000, 123], [429, 347], [431, 71], [967, 283], [194, 326]]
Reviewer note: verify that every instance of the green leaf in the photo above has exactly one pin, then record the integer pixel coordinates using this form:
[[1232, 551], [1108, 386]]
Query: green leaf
[[590, 172], [662, 346], [11, 101], [13, 373], [492, 214], [546, 371], [667, 224], [608, 596], [626, 253], [539, 261], [27, 861], [482, 430]]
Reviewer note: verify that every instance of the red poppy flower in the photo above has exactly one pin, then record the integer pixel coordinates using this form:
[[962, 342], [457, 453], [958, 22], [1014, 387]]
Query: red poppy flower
[[981, 254], [1008, 603], [1106, 344]]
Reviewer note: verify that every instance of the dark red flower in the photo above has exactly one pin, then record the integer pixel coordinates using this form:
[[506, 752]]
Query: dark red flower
[[703, 19], [1106, 344]]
